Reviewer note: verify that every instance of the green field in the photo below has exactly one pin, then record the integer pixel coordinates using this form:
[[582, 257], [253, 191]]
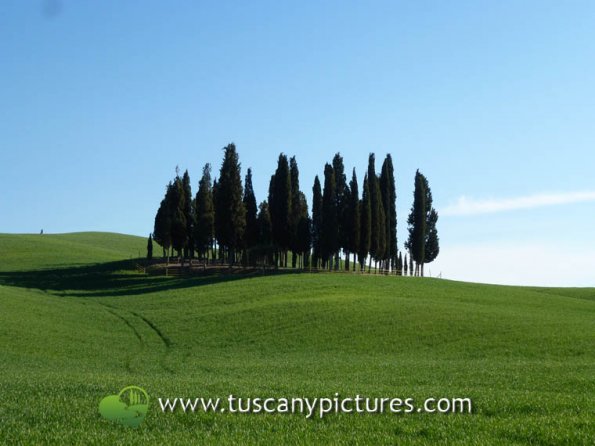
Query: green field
[[77, 323]]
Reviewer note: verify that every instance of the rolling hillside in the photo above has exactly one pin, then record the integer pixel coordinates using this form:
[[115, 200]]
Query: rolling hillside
[[77, 325]]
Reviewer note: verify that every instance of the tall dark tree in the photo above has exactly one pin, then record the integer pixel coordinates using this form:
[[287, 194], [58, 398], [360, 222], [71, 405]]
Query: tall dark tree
[[280, 207], [162, 227], [188, 215], [353, 219], [365, 225], [316, 221], [417, 224], [231, 221], [405, 266], [330, 230], [296, 211], [389, 197], [150, 247], [381, 248], [410, 264], [251, 232], [179, 227], [423, 241], [303, 232], [375, 202], [342, 200], [432, 247], [432, 240], [265, 247], [204, 229]]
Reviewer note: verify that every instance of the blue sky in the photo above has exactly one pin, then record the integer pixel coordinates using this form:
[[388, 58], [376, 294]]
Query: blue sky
[[491, 100]]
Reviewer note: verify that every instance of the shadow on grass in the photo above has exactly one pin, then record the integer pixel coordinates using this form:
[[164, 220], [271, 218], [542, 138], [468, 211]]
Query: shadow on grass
[[119, 279]]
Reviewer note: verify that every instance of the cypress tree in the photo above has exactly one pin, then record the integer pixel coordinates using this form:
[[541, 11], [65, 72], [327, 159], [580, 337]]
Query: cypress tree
[[188, 215], [341, 202], [150, 248], [374, 203], [423, 241], [389, 197], [304, 241], [265, 233], [176, 202], [204, 217], [354, 218], [251, 232], [405, 265], [229, 197], [316, 221], [432, 246], [330, 233], [296, 211], [417, 224], [280, 206], [432, 240], [381, 248], [365, 225], [161, 229]]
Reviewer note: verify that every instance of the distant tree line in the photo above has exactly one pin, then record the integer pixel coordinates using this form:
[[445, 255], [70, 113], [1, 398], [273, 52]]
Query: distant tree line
[[222, 223]]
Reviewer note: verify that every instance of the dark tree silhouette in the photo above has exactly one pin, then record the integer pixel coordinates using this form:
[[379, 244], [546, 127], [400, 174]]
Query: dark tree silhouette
[[150, 248], [296, 211], [231, 221], [316, 222], [353, 220], [204, 229], [341, 200], [188, 215], [375, 206], [365, 225], [330, 230], [417, 224], [251, 232], [280, 208], [389, 197]]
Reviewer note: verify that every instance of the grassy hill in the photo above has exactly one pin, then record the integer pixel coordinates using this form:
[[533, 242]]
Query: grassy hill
[[76, 325]]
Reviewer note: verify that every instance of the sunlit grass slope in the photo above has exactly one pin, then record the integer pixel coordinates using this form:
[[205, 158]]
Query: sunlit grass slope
[[71, 335], [30, 251]]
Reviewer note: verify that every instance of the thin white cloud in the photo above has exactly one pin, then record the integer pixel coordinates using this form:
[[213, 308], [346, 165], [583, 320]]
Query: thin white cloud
[[470, 206]]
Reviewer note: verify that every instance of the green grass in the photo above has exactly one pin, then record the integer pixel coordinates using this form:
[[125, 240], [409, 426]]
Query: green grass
[[76, 325]]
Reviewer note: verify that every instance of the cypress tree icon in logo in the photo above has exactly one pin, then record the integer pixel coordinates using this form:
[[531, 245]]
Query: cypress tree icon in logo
[[129, 407]]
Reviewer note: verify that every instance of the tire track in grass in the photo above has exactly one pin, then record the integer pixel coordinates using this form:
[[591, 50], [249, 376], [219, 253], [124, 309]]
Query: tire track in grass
[[163, 338], [142, 343]]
